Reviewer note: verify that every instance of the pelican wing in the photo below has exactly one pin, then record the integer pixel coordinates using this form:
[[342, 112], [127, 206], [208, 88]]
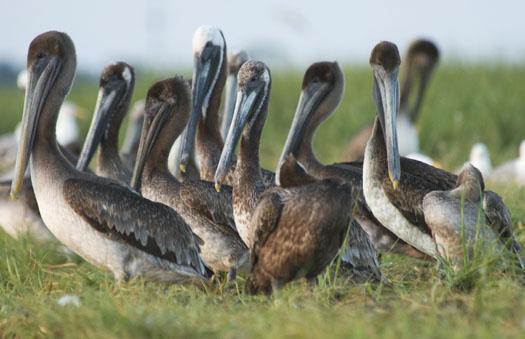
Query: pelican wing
[[264, 220], [202, 197], [123, 215]]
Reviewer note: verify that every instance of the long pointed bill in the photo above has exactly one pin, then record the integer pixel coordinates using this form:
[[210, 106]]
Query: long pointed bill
[[388, 89], [205, 77], [231, 89], [245, 104], [106, 105], [150, 132], [309, 100], [40, 83]]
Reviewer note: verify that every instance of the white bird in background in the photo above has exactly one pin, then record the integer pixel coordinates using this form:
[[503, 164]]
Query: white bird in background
[[479, 158], [511, 172]]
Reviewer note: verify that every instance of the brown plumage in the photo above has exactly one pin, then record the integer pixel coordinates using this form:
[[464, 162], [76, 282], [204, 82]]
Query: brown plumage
[[209, 213], [322, 89], [116, 88], [395, 188], [104, 222], [293, 239]]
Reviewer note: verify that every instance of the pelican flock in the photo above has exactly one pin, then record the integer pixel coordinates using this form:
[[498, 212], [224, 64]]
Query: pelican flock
[[217, 211]]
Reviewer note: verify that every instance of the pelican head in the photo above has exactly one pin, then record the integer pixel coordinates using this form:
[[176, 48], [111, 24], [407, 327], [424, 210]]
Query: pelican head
[[116, 86], [166, 112], [51, 64], [252, 95], [471, 182], [209, 70], [321, 93], [385, 63], [235, 61]]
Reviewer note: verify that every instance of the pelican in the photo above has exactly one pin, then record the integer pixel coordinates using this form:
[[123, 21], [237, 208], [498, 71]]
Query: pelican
[[511, 172], [395, 187], [107, 224], [235, 61], [251, 109], [322, 89], [359, 256], [167, 109], [116, 88], [292, 238], [458, 222], [209, 77], [421, 59]]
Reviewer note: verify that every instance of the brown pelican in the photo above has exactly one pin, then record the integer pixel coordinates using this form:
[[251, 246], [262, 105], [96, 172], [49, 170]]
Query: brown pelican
[[105, 223], [235, 61], [421, 59], [460, 219], [511, 172], [359, 256], [251, 109], [395, 187], [116, 87], [167, 109], [209, 77], [321, 93], [292, 239]]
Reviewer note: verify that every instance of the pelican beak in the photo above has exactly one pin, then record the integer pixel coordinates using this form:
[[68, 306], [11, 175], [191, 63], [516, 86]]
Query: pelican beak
[[231, 89], [42, 76], [246, 104], [150, 131], [386, 90], [205, 76], [107, 103], [311, 97]]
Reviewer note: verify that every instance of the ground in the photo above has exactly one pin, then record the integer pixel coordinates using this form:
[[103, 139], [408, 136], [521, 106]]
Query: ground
[[465, 104]]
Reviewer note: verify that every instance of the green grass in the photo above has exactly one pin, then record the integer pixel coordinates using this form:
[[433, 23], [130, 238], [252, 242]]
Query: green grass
[[465, 104]]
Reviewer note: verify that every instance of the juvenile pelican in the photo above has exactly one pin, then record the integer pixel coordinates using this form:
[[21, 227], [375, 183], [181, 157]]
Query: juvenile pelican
[[235, 61], [458, 222], [321, 93], [167, 109], [298, 232], [395, 187], [250, 114], [359, 256], [116, 88], [511, 172], [105, 223], [421, 59], [209, 77]]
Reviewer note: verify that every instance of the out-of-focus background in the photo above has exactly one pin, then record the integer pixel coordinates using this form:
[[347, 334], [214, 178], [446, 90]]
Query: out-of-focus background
[[475, 95]]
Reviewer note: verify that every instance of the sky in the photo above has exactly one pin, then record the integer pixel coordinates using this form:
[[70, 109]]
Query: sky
[[158, 33]]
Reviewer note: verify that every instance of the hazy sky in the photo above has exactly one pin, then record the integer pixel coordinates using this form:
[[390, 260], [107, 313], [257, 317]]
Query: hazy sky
[[158, 33]]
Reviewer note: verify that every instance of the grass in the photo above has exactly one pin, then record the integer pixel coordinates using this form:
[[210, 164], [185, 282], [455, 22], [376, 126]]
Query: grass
[[465, 104]]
